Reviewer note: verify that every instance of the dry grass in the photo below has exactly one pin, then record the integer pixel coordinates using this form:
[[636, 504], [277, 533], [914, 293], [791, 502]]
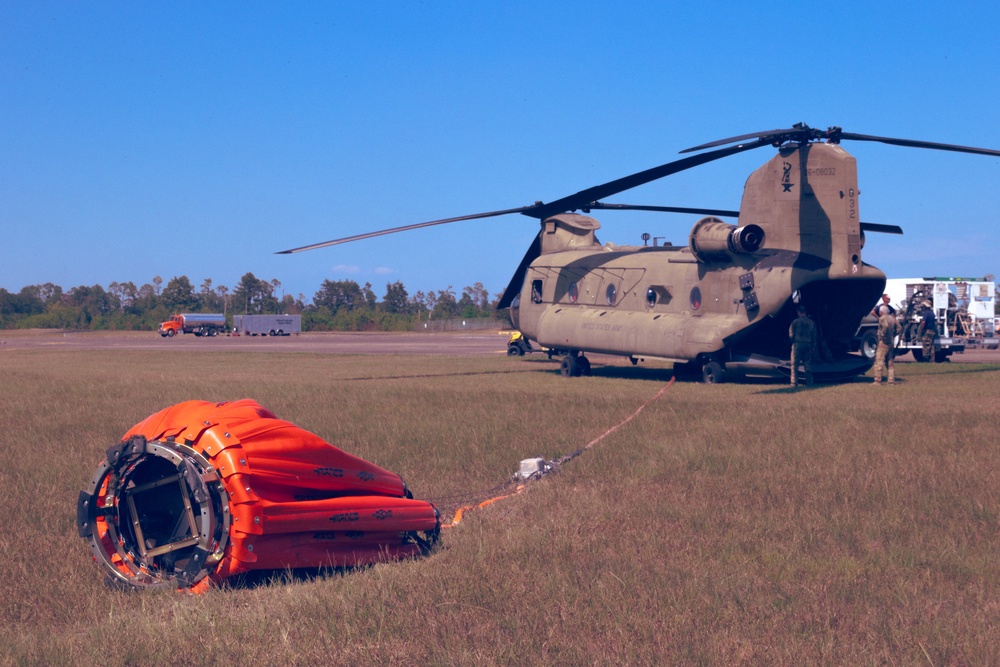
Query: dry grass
[[733, 524]]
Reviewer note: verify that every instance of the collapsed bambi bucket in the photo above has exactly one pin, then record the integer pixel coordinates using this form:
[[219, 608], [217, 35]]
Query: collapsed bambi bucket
[[201, 491]]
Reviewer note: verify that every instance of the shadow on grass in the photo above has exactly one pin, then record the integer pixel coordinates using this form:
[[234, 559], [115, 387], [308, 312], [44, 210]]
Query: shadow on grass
[[421, 376]]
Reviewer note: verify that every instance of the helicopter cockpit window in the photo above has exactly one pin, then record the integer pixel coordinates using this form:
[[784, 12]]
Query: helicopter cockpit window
[[574, 292], [612, 293], [536, 291], [651, 297]]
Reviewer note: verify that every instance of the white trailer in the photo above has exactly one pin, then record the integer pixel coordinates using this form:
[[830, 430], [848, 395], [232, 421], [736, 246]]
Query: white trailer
[[267, 325]]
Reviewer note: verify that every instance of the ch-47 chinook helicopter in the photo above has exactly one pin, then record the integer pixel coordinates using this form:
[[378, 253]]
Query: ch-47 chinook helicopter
[[722, 304]]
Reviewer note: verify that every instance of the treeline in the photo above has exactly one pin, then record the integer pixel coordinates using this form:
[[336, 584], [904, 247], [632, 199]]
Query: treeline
[[338, 305]]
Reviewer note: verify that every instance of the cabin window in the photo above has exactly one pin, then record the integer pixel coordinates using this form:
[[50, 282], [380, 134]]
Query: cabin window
[[574, 292], [611, 294], [651, 297], [695, 298], [536, 291]]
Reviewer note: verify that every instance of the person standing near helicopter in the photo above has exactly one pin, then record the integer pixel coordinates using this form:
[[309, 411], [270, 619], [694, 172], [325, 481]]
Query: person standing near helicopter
[[883, 303], [802, 333], [888, 329], [927, 331]]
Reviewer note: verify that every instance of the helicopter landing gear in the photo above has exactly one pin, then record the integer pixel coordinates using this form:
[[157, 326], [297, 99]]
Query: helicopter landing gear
[[713, 373], [574, 365]]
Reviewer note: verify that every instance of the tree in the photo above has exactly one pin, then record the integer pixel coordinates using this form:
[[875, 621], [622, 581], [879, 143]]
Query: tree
[[47, 293], [368, 296], [479, 295], [255, 295], [445, 306], [25, 303], [90, 302], [336, 295], [396, 300], [129, 295], [179, 295], [223, 293]]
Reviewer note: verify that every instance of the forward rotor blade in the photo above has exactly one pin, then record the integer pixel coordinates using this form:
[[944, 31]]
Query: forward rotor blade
[[405, 228], [920, 144], [722, 213], [517, 280], [583, 198], [580, 200], [881, 229]]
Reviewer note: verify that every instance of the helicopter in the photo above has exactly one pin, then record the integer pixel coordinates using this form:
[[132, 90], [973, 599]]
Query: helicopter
[[720, 306]]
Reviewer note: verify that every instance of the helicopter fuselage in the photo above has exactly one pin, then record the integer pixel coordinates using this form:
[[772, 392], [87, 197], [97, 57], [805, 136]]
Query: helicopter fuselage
[[727, 296]]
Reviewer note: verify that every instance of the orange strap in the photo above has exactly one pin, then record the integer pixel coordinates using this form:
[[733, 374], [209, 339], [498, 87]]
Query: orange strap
[[458, 513], [520, 487]]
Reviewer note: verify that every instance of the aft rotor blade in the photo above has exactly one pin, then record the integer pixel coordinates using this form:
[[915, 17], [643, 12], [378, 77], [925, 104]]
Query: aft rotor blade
[[583, 198], [920, 144], [881, 229], [769, 135], [722, 213], [405, 228]]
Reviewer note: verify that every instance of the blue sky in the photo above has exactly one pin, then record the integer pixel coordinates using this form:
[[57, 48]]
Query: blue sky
[[167, 139]]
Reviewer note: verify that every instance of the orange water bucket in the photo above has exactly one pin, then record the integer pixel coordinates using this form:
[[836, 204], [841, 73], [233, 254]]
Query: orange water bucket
[[201, 491]]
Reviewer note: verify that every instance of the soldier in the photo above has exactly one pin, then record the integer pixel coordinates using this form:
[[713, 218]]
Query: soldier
[[802, 333], [888, 329], [927, 331], [884, 302]]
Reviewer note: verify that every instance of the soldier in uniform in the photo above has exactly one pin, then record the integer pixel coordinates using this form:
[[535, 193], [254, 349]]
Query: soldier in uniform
[[802, 333], [888, 329], [927, 331]]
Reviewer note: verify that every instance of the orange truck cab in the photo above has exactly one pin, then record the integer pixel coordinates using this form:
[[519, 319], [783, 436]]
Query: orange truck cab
[[200, 324]]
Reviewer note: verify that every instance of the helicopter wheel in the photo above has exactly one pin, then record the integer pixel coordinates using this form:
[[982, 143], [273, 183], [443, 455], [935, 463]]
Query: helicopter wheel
[[584, 364], [713, 373], [569, 367]]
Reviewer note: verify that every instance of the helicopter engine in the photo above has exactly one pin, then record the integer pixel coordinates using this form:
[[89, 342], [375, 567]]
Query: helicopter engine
[[713, 239]]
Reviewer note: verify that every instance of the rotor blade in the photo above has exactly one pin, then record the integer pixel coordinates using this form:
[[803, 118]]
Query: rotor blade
[[768, 134], [517, 280], [585, 197], [881, 229], [920, 144], [722, 213], [383, 232]]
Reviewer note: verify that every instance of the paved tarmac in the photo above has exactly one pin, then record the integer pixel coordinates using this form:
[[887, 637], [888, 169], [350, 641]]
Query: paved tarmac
[[459, 343], [478, 343]]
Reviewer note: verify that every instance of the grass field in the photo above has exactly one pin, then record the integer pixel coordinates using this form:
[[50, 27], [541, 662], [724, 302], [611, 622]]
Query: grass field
[[728, 524]]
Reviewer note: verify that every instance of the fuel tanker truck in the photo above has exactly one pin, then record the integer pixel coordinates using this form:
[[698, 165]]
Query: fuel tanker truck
[[200, 492], [200, 324]]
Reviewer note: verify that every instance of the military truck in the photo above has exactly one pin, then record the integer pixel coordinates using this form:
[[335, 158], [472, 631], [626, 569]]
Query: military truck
[[267, 325], [200, 324], [963, 311]]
